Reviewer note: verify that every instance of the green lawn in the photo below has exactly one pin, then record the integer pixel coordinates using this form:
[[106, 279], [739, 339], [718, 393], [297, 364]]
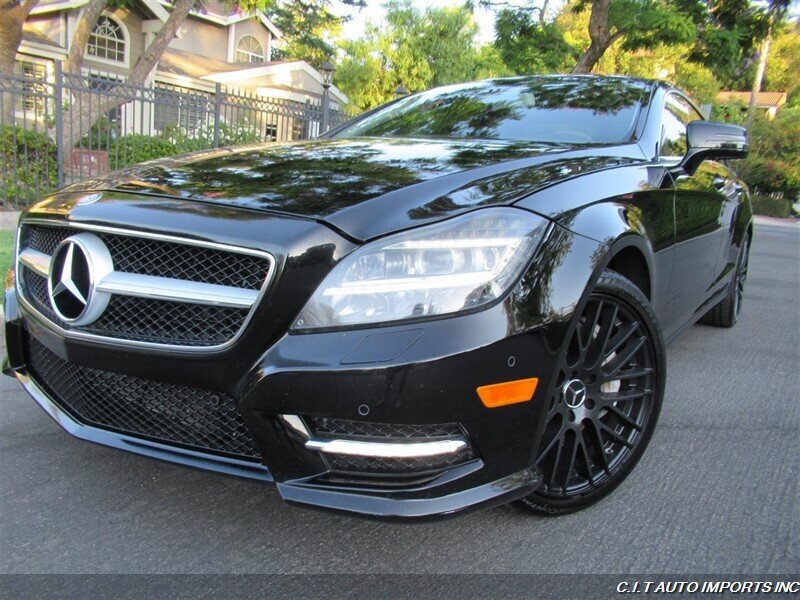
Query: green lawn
[[6, 251]]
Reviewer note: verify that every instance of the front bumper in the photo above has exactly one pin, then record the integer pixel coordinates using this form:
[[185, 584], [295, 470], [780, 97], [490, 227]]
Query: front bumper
[[406, 375], [431, 382], [498, 492]]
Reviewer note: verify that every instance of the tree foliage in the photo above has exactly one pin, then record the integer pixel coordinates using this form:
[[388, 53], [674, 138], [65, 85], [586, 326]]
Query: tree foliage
[[527, 45], [583, 33], [309, 28], [729, 32], [773, 164], [647, 23], [636, 23], [416, 49], [700, 45], [784, 64]]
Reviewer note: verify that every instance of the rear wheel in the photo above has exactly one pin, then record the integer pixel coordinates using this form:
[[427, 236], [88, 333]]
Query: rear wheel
[[606, 400], [726, 312]]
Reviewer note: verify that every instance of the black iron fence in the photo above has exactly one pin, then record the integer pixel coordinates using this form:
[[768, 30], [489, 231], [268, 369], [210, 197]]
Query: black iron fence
[[59, 128]]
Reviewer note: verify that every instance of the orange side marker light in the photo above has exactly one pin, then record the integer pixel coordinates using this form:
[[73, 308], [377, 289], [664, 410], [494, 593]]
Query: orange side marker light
[[509, 392]]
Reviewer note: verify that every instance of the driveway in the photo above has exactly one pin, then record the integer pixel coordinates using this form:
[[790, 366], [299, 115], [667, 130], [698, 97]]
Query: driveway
[[716, 492]]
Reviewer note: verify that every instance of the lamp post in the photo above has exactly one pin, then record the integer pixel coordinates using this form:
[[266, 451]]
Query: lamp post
[[327, 69], [400, 91]]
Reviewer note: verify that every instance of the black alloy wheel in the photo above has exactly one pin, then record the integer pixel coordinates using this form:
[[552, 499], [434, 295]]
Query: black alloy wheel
[[605, 402]]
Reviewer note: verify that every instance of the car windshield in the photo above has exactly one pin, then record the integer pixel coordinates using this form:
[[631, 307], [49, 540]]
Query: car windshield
[[589, 110]]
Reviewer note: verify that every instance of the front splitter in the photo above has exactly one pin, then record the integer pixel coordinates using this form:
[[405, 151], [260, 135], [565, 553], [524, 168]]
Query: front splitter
[[509, 488], [504, 490]]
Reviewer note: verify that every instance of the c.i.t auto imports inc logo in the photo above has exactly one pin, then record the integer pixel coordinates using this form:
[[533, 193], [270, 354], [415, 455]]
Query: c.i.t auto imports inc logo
[[708, 586]]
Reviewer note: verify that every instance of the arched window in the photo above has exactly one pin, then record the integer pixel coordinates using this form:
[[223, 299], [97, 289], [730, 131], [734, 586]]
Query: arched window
[[108, 41], [249, 49]]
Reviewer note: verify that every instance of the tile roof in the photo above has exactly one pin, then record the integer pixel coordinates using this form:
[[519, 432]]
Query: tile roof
[[763, 99]]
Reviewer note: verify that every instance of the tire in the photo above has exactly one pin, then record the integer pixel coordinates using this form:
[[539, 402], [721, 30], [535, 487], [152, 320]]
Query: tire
[[726, 312], [590, 445]]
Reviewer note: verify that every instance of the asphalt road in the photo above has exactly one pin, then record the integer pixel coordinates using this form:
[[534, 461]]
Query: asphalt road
[[716, 492]]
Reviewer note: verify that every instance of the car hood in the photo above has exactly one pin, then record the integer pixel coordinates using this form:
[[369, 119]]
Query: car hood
[[364, 187]]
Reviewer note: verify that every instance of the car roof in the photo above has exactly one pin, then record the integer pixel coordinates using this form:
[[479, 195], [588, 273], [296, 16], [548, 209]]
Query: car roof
[[574, 76]]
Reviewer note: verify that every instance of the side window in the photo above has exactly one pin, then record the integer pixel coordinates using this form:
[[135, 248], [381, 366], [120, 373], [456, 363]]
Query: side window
[[673, 136], [678, 113], [683, 109]]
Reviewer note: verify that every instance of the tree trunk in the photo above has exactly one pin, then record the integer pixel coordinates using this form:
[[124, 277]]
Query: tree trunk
[[600, 36], [759, 79], [12, 17], [87, 107], [80, 38], [589, 58], [543, 12]]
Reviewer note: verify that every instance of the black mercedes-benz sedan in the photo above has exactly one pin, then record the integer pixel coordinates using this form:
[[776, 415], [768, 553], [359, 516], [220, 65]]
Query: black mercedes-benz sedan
[[456, 300]]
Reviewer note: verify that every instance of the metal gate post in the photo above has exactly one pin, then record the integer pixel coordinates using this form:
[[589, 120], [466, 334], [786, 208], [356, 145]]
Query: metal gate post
[[59, 123], [217, 110]]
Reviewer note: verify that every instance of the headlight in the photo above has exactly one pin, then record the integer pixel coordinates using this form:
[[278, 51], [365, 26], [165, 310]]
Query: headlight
[[439, 269]]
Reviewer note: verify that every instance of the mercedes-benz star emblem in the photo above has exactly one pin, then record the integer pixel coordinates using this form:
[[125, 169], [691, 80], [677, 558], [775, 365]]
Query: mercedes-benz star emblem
[[77, 265], [574, 392], [71, 281]]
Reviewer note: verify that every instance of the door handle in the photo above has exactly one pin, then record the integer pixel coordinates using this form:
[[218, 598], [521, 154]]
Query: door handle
[[720, 182]]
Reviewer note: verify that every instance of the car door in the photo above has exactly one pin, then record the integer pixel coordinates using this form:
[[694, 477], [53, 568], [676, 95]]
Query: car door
[[733, 189], [701, 209]]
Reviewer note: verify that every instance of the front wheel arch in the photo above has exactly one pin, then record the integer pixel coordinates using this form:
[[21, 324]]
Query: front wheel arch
[[630, 262], [620, 289]]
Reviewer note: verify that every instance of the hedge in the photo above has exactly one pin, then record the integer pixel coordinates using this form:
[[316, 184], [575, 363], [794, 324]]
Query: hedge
[[28, 165], [771, 207], [768, 176], [131, 149]]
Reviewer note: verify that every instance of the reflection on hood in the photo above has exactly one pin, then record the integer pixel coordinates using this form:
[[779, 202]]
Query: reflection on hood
[[418, 179]]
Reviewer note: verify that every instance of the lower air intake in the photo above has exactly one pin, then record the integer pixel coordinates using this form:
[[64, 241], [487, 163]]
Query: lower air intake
[[197, 419]]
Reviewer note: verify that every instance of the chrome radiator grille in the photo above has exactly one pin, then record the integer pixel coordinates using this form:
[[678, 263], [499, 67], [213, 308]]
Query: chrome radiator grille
[[192, 263], [164, 292]]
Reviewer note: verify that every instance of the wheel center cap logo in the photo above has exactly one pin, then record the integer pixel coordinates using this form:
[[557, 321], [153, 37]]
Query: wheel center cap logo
[[78, 263], [574, 392]]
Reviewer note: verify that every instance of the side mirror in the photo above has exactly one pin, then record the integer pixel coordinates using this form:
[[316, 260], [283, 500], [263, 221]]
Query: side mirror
[[710, 140]]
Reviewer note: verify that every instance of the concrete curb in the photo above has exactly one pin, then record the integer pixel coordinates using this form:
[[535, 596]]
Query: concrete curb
[[775, 222]]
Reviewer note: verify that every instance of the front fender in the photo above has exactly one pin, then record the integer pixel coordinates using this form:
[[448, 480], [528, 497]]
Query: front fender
[[631, 206]]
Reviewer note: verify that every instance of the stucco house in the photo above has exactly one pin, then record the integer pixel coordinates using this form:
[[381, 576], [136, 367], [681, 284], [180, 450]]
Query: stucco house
[[213, 46]]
